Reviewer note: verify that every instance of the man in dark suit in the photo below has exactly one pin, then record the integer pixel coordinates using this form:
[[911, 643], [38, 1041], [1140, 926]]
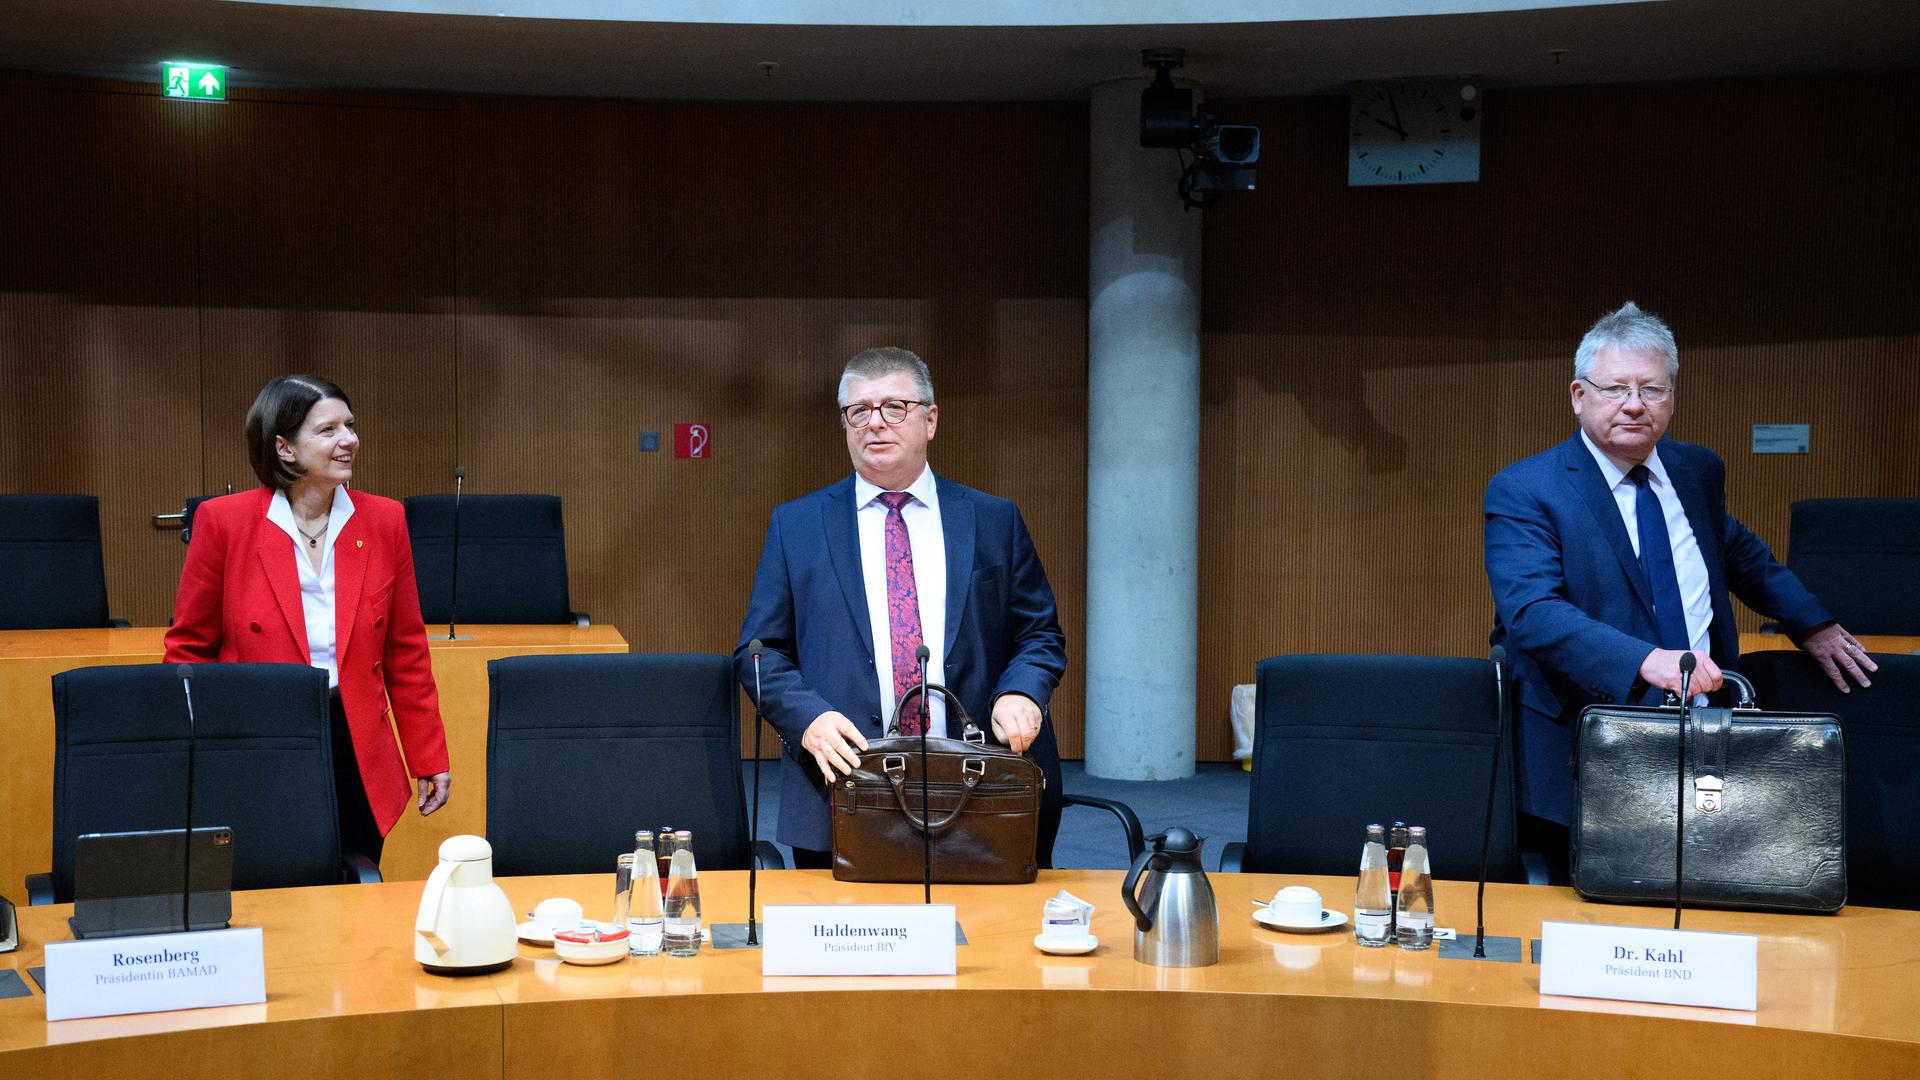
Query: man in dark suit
[[1613, 553], [856, 577]]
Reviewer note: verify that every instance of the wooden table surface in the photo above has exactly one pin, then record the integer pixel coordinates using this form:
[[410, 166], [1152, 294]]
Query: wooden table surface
[[345, 997], [30, 658]]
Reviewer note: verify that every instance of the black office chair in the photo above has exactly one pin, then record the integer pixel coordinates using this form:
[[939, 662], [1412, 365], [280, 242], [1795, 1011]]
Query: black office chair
[[513, 559], [585, 749], [263, 765], [55, 576], [186, 516], [1341, 741], [1882, 729], [1861, 557]]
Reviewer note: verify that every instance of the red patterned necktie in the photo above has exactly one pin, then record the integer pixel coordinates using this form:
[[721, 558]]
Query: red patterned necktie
[[903, 610]]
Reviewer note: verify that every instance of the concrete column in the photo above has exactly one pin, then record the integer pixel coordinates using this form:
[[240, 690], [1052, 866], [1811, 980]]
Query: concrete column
[[1143, 451]]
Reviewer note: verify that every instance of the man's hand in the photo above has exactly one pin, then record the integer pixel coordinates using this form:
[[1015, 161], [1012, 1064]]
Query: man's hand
[[832, 739], [1661, 668], [1016, 721], [1838, 651], [433, 791]]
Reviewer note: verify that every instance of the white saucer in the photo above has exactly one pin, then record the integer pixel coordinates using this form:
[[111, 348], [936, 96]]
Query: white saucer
[[1079, 946], [1329, 920], [535, 933]]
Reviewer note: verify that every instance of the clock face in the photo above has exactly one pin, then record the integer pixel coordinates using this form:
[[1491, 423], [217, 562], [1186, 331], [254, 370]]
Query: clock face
[[1413, 132]]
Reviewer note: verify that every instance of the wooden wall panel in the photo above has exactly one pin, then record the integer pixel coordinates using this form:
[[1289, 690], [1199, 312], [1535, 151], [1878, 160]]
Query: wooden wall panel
[[326, 232], [1375, 355], [625, 268], [99, 349]]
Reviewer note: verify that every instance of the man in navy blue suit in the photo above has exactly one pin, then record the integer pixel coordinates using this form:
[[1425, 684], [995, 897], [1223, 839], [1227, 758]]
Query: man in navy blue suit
[[1612, 554], [857, 576]]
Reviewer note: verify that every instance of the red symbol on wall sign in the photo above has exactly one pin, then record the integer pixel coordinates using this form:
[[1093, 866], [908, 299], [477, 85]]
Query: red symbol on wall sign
[[692, 441]]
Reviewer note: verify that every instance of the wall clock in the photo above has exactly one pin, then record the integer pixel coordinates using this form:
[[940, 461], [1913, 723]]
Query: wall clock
[[1413, 131]]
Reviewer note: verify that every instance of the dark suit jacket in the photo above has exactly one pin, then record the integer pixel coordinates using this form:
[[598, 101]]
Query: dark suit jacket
[[809, 610], [1573, 608], [239, 601]]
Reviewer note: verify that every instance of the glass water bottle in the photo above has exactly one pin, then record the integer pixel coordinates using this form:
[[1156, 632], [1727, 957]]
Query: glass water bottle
[[1413, 901], [1372, 899], [645, 924], [683, 899]]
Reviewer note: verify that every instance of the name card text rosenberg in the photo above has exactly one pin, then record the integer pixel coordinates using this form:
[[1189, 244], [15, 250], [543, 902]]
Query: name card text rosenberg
[[1632, 963], [858, 939], [155, 972]]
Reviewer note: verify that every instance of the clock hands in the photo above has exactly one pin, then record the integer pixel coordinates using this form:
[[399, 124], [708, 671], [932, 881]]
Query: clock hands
[[1398, 125]]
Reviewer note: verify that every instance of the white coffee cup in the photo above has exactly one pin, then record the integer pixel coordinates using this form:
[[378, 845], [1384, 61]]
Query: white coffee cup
[[557, 913], [1295, 905]]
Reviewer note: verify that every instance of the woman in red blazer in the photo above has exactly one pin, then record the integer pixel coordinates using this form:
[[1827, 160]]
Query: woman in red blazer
[[300, 570]]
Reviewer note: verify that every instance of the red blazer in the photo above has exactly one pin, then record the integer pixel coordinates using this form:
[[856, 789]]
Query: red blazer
[[240, 601]]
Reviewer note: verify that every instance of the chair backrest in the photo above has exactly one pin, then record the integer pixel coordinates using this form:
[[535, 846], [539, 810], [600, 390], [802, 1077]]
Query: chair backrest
[[582, 750], [1341, 741], [513, 558], [54, 576], [1881, 726], [263, 764], [1861, 557]]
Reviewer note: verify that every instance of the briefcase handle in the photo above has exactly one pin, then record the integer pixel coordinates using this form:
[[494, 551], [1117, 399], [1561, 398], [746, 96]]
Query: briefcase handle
[[969, 731], [1745, 703], [895, 767]]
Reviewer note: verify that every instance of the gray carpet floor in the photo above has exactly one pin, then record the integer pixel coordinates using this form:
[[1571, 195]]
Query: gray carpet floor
[[1212, 803]]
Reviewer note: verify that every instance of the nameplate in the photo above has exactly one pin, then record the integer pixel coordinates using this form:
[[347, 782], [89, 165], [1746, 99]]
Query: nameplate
[[1631, 963], [858, 939], [155, 972]]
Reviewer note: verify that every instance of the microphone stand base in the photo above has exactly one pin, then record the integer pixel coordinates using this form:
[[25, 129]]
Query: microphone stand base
[[733, 935], [450, 637], [1503, 950]]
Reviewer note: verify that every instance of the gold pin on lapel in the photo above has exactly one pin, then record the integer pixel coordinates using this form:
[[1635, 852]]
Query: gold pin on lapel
[[359, 543]]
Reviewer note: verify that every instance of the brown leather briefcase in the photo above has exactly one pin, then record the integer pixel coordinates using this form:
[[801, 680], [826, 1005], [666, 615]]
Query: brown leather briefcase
[[985, 799]]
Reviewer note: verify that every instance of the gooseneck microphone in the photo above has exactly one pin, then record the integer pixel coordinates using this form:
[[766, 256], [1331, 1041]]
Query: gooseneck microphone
[[1498, 655], [920, 656], [453, 590], [1687, 663], [754, 648], [185, 674]]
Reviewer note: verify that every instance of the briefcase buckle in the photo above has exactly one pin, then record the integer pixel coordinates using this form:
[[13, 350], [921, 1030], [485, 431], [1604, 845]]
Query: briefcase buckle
[[1707, 794]]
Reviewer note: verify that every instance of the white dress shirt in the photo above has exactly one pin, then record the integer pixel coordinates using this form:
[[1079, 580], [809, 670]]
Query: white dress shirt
[[316, 586], [1688, 564], [922, 515]]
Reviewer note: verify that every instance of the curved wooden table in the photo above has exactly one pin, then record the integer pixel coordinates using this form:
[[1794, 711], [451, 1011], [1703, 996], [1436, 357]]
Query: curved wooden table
[[345, 998]]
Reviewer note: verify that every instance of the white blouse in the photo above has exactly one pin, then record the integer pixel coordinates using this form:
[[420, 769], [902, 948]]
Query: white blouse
[[316, 586]]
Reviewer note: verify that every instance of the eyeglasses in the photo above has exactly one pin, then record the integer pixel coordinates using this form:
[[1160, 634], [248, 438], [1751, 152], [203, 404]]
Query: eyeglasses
[[893, 412], [1649, 395]]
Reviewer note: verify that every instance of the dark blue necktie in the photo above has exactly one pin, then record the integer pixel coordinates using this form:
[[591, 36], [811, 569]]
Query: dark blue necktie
[[1656, 559]]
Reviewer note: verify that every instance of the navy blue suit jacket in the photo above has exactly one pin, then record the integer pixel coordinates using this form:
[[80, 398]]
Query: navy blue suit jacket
[[809, 610], [1573, 608]]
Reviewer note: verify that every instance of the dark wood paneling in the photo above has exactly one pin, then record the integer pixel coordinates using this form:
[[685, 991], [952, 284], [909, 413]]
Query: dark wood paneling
[[99, 323], [626, 268], [326, 234], [1375, 355]]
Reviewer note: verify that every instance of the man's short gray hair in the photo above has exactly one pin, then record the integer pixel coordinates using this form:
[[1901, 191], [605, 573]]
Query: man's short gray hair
[[882, 361], [1630, 329]]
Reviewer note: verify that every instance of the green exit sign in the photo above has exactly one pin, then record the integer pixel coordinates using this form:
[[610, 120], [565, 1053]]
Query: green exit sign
[[193, 82]]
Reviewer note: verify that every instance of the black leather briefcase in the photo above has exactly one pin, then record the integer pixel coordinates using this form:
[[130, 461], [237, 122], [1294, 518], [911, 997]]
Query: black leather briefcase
[[1764, 798]]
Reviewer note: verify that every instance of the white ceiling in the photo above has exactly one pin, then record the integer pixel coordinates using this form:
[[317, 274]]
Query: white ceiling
[[287, 46]]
